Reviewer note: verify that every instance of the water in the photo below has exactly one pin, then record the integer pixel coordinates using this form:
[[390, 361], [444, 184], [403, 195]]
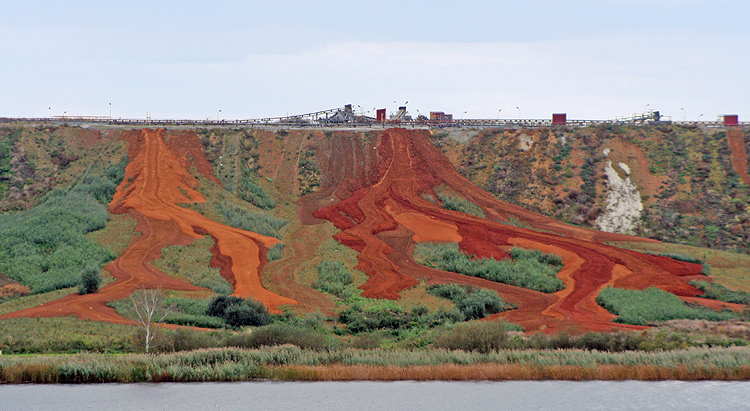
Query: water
[[403, 395]]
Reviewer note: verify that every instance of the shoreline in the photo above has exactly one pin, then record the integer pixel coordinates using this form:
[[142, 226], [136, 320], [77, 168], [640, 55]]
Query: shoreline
[[289, 363]]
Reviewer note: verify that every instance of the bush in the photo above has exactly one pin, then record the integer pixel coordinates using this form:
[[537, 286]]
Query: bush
[[282, 334], [529, 268], [473, 303], [481, 336], [218, 306], [91, 278], [481, 303], [651, 305], [238, 312], [248, 313]]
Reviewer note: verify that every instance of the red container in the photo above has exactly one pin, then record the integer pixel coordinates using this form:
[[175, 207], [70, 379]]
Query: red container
[[731, 120], [380, 114], [559, 119]]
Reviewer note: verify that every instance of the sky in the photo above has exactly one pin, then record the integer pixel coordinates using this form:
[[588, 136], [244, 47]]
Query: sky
[[597, 59]]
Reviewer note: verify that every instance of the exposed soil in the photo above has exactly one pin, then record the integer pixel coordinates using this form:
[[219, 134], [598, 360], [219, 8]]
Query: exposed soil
[[156, 182], [372, 190], [738, 154], [386, 214]]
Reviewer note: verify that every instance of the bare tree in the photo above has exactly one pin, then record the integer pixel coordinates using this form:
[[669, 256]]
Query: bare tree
[[150, 308]]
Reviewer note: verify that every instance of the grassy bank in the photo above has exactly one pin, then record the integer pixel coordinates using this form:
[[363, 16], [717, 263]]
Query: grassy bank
[[289, 363]]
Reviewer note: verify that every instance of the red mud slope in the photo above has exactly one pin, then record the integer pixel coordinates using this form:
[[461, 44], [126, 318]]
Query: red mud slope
[[382, 214], [157, 181]]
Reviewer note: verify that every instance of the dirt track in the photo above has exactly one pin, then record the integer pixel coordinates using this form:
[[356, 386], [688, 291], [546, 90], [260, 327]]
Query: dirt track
[[385, 214], [156, 182]]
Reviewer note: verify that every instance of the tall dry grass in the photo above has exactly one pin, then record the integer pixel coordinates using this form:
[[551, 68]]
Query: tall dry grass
[[293, 363]]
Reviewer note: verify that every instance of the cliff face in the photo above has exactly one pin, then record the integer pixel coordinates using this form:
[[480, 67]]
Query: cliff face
[[684, 185]]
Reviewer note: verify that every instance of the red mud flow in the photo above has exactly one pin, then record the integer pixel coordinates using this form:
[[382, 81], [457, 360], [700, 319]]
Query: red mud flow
[[156, 182], [382, 214]]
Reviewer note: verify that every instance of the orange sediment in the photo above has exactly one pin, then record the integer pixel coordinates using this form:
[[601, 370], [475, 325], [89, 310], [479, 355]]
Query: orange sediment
[[156, 182], [385, 214]]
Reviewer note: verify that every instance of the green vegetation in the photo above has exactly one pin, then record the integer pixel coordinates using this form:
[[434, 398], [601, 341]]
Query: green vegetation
[[651, 305], [461, 204], [293, 363], [284, 334], [529, 268], [719, 292], [63, 335], [308, 173], [274, 253], [91, 278], [333, 278], [191, 262], [257, 222], [45, 247], [250, 191], [474, 303], [238, 312], [364, 316], [484, 337]]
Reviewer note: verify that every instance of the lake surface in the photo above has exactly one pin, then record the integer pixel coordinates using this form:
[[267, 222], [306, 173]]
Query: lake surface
[[403, 395]]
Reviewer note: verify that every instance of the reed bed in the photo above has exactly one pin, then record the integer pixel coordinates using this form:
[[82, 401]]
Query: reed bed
[[292, 363]]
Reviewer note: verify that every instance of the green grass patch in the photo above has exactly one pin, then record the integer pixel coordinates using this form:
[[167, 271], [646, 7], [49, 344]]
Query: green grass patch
[[250, 191], [644, 307], [474, 303], [460, 204], [333, 277], [257, 222], [63, 334], [191, 262], [46, 247], [716, 291], [528, 268], [274, 253]]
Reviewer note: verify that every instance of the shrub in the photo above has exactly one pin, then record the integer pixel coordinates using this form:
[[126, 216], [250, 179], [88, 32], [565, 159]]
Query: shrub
[[472, 302], [481, 336], [218, 306], [90, 280], [248, 313], [282, 334], [529, 268], [481, 303], [238, 312]]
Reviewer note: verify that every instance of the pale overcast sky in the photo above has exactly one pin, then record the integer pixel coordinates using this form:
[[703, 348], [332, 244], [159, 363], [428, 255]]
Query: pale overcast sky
[[593, 59]]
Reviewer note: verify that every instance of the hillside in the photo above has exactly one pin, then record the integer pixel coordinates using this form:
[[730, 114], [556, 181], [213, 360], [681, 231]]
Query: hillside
[[674, 184], [360, 225]]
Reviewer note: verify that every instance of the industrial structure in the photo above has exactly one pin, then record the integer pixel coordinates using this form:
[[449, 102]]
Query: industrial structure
[[347, 116]]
